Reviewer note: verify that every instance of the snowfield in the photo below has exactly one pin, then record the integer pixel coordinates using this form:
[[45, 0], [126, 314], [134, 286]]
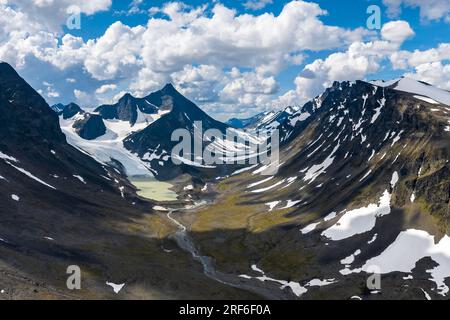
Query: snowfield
[[418, 244], [361, 220], [110, 145], [421, 91]]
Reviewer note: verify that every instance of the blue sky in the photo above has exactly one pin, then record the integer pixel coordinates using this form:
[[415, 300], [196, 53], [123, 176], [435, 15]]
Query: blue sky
[[230, 57]]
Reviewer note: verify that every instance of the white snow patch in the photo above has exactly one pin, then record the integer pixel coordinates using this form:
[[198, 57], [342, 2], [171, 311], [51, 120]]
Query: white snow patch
[[360, 220], [427, 296], [269, 187], [160, 208], [79, 178], [6, 157], [394, 179], [418, 244], [329, 217], [272, 205], [309, 228], [375, 236], [316, 170], [381, 102], [244, 169], [350, 259], [25, 172], [366, 175], [296, 288], [429, 100], [116, 287], [320, 283], [291, 203], [122, 191]]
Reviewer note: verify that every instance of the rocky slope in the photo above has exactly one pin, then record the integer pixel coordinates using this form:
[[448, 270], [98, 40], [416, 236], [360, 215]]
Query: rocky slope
[[363, 185]]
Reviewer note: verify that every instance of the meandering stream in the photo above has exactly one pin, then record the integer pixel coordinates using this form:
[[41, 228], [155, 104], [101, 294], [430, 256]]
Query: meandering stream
[[186, 243]]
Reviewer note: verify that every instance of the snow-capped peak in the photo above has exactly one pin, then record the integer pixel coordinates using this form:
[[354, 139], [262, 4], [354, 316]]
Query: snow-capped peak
[[416, 87]]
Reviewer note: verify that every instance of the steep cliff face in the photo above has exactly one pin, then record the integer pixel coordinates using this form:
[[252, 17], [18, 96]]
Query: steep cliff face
[[90, 126], [128, 108], [24, 114]]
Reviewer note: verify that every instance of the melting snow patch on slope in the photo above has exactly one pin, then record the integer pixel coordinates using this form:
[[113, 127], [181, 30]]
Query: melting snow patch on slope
[[366, 175], [269, 187], [427, 296], [116, 287], [417, 244], [79, 178], [378, 110], [429, 100], [309, 228], [290, 204], [272, 205], [25, 172], [394, 180], [360, 220], [296, 288], [350, 259], [9, 159], [374, 238], [6, 157], [320, 283], [329, 217], [244, 169], [316, 170]]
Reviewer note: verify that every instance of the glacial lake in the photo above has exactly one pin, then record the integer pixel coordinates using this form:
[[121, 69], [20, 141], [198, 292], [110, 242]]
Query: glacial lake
[[152, 189]]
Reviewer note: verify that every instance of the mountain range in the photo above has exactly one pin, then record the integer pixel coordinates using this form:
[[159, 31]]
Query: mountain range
[[362, 188]]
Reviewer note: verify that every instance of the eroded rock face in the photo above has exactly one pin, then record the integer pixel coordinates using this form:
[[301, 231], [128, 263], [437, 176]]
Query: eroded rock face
[[157, 136], [71, 110], [128, 108], [90, 127]]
